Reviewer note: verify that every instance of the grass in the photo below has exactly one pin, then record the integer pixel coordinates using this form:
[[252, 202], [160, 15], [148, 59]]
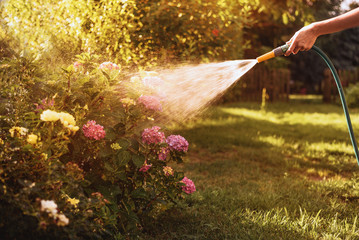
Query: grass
[[288, 172]]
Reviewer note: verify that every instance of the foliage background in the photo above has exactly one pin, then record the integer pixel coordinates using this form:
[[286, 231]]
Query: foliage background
[[148, 31]]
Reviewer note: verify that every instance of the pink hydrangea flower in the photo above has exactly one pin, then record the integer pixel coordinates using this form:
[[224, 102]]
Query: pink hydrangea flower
[[93, 130], [145, 167], [150, 102], [152, 82], [190, 187], [109, 66], [163, 153], [177, 142], [152, 135]]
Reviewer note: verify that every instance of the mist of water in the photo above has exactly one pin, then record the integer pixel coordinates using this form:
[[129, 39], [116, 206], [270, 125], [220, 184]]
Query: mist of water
[[188, 90]]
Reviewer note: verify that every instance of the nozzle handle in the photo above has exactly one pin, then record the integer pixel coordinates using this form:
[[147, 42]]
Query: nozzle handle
[[280, 51]]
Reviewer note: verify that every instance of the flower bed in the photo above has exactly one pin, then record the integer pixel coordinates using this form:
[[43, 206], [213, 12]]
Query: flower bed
[[83, 158]]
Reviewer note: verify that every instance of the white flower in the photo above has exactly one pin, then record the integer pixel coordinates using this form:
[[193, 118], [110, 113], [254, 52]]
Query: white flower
[[15, 131], [62, 220], [49, 206], [49, 116], [67, 119]]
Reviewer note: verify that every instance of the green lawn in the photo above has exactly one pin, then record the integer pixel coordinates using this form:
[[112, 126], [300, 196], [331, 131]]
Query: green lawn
[[285, 173]]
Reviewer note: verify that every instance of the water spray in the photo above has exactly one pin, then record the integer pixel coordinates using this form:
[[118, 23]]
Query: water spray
[[280, 51]]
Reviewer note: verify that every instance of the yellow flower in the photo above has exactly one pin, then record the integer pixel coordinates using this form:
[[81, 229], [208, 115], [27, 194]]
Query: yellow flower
[[73, 201], [1, 141], [32, 138], [128, 101], [16, 131], [44, 156], [168, 171], [115, 146], [67, 119], [50, 116]]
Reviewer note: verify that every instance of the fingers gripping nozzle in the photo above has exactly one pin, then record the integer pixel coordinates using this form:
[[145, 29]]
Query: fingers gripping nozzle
[[279, 51]]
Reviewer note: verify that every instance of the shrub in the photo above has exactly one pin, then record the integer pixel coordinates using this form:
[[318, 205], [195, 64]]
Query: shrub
[[87, 161], [352, 95], [131, 32]]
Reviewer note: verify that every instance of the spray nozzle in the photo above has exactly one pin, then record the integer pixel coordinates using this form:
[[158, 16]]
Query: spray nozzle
[[279, 51]]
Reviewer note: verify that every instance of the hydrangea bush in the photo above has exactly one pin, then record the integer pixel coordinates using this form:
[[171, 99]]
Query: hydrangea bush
[[83, 157]]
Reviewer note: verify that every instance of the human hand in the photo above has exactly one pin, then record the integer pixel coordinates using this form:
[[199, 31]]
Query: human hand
[[303, 40]]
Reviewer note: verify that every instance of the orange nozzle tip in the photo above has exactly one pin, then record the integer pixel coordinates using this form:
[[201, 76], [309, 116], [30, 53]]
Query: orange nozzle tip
[[266, 56]]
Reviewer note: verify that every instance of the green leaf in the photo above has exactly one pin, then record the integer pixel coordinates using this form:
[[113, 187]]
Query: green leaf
[[133, 221], [105, 152], [109, 192], [109, 167], [122, 175], [179, 175], [123, 143], [138, 160], [110, 134], [70, 68], [83, 80], [123, 158], [135, 144], [139, 193], [120, 128], [27, 147], [106, 75]]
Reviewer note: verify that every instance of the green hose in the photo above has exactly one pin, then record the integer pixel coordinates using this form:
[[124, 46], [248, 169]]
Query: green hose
[[342, 98]]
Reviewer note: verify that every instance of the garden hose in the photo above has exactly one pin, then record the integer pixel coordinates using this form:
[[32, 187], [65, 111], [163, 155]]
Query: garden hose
[[342, 98], [279, 51]]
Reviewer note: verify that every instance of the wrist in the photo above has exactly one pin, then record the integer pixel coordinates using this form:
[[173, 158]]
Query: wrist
[[316, 29]]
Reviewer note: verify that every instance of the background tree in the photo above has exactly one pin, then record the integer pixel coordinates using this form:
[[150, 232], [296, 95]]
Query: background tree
[[145, 31]]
